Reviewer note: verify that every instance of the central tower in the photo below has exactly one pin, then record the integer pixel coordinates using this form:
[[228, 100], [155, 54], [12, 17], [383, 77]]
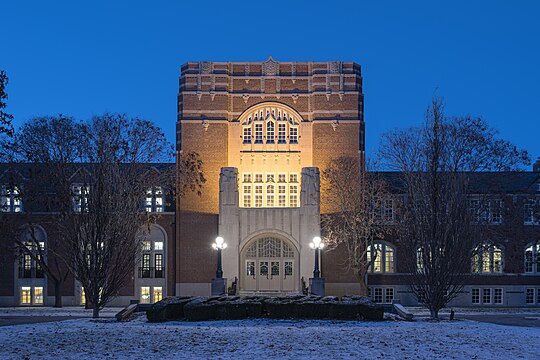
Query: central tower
[[261, 130]]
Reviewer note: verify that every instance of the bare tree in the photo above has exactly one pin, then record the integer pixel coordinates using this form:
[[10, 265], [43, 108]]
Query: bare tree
[[104, 231], [355, 197], [438, 229], [40, 161], [5, 119]]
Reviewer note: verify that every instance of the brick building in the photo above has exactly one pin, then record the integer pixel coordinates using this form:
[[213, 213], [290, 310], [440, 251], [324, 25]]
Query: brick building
[[263, 130]]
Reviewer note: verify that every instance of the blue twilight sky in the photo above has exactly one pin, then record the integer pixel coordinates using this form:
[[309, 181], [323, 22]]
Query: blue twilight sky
[[84, 58]]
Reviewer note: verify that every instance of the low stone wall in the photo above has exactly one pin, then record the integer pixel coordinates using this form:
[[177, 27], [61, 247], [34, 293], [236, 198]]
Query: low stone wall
[[248, 307]]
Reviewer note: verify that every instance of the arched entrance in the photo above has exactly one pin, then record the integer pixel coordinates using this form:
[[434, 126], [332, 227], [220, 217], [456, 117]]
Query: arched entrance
[[269, 264]]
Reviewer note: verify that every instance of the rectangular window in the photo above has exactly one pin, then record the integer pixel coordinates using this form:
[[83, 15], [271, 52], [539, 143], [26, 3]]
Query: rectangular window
[[293, 178], [378, 295], [38, 296], [158, 263], [529, 207], [388, 211], [145, 271], [79, 198], [474, 208], [270, 132], [258, 133], [293, 135], [282, 178], [388, 295], [498, 296], [270, 177], [10, 199], [26, 295], [247, 177], [282, 133], [247, 195], [247, 135], [145, 294], [259, 178], [495, 207], [282, 195], [146, 246], [475, 296], [486, 296], [158, 199], [270, 195], [158, 293], [83, 296], [158, 245], [538, 296], [258, 196], [293, 190], [529, 296]]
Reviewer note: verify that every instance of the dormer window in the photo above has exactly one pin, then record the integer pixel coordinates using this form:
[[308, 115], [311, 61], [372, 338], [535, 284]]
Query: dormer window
[[11, 199]]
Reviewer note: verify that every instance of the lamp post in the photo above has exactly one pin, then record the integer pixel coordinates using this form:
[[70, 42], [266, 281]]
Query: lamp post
[[219, 245], [317, 244]]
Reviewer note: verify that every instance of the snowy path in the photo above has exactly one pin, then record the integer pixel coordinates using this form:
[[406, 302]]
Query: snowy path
[[89, 339]]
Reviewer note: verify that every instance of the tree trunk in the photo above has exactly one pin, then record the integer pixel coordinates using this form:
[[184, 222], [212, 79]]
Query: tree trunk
[[362, 282], [95, 312], [57, 294], [434, 314]]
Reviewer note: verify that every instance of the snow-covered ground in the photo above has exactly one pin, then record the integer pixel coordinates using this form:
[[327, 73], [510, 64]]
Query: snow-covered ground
[[422, 311], [252, 339], [50, 311]]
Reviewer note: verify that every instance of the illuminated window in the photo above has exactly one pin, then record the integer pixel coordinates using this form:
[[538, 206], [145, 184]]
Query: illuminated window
[[38, 296], [293, 135], [293, 190], [381, 258], [247, 135], [475, 296], [83, 296], [158, 294], [79, 197], [158, 265], [154, 200], [10, 199], [247, 177], [145, 294], [146, 246], [488, 259], [282, 195], [247, 196], [532, 255], [258, 195], [293, 178], [258, 133], [158, 245], [270, 132], [26, 295], [270, 195], [282, 133]]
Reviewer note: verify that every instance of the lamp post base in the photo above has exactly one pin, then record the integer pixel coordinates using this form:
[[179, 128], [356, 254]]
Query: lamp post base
[[219, 286], [316, 286]]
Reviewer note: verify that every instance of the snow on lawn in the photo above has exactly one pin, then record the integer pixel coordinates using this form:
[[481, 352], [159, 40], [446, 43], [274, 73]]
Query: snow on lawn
[[50, 311], [263, 338]]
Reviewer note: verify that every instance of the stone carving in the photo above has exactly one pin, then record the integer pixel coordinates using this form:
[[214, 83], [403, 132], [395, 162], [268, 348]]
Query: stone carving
[[205, 124], [294, 98], [310, 194], [205, 67], [334, 67], [335, 124], [270, 67], [228, 186], [246, 98]]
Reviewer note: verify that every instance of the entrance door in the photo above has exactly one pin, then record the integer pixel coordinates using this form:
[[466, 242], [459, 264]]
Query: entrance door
[[269, 266]]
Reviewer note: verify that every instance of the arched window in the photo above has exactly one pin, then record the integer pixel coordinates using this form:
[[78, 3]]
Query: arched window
[[532, 257], [488, 259], [382, 255]]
